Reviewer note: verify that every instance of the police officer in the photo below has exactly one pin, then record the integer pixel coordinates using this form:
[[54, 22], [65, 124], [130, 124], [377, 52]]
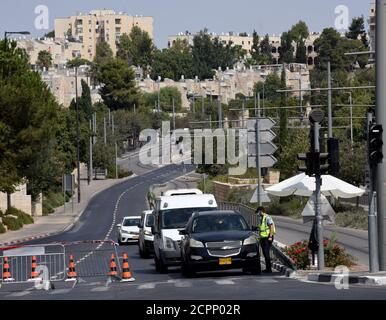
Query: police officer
[[266, 232]]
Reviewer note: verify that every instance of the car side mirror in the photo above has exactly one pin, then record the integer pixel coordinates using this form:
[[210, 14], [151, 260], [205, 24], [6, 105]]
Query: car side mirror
[[153, 230], [183, 232], [119, 225]]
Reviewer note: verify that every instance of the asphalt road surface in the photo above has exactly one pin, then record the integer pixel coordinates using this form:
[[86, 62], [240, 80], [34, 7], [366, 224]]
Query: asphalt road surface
[[128, 198]]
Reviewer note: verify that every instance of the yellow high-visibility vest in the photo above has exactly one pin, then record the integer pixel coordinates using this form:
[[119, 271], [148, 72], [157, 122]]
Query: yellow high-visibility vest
[[264, 228]]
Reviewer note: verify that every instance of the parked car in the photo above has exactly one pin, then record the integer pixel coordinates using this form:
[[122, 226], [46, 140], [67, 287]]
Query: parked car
[[146, 238], [171, 214], [219, 240], [128, 230]]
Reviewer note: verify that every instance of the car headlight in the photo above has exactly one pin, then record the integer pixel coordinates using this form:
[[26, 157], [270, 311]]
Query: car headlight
[[124, 231], [250, 240], [148, 233], [168, 243], [195, 244]]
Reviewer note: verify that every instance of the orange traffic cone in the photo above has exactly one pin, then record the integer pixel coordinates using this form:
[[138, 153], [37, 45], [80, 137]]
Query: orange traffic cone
[[113, 266], [6, 272], [126, 274], [34, 273], [71, 274]]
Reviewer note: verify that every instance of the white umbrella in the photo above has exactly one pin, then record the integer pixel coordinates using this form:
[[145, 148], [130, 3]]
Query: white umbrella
[[303, 185]]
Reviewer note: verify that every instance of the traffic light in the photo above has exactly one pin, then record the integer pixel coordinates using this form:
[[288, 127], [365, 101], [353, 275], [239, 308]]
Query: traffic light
[[375, 144], [321, 163], [309, 163], [333, 156]]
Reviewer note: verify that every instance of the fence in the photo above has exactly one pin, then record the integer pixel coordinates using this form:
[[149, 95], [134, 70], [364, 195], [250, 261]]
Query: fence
[[21, 264], [53, 262], [252, 218]]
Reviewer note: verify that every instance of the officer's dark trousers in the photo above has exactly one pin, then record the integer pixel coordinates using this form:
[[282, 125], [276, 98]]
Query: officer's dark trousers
[[266, 248]]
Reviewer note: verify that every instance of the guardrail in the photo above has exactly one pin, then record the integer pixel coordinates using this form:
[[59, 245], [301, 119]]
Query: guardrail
[[249, 214]]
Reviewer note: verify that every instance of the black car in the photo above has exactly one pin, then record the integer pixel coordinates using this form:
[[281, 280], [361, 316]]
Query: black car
[[219, 240]]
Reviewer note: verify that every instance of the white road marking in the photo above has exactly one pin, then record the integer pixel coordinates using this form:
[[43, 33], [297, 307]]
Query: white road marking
[[150, 285], [224, 282], [99, 289], [183, 284], [266, 280], [19, 294], [60, 291]]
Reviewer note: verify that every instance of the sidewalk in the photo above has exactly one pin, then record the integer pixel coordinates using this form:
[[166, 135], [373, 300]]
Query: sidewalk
[[61, 220]]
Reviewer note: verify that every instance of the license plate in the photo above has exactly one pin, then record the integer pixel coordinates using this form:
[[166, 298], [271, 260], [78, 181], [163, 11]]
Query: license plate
[[225, 261], [135, 237]]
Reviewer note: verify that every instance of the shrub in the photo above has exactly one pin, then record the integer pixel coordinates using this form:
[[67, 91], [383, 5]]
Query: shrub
[[2, 228], [298, 252], [334, 254], [12, 223], [47, 208], [355, 218], [25, 218]]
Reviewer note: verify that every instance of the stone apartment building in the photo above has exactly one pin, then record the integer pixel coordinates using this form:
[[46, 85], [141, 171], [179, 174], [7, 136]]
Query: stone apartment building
[[372, 24], [227, 84], [98, 25], [246, 41]]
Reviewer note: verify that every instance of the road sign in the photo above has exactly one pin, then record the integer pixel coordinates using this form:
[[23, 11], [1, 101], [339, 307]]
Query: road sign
[[267, 161], [264, 124], [263, 196], [266, 149], [265, 136]]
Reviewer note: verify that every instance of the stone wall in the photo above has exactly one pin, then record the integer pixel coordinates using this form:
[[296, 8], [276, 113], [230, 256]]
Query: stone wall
[[19, 199]]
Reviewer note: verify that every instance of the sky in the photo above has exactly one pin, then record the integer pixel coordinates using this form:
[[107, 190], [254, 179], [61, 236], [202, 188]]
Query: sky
[[174, 16]]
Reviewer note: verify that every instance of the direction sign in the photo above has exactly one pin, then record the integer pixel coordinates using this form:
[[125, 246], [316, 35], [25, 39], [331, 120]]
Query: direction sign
[[265, 136], [266, 149], [264, 124], [263, 196], [267, 161]]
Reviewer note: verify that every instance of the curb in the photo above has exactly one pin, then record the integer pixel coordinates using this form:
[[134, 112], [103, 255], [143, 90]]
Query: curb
[[331, 278], [288, 272], [69, 226]]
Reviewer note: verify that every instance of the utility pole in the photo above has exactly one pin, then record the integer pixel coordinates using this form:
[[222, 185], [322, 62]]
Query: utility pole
[[372, 216], [174, 115], [104, 131], [219, 106], [351, 125], [258, 168], [90, 169], [381, 119], [316, 117], [77, 132], [116, 160], [202, 105], [330, 135]]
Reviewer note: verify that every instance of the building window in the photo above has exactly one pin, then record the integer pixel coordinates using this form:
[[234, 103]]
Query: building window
[[117, 21]]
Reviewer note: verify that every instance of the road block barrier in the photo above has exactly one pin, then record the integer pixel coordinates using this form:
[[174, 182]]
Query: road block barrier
[[71, 273], [26, 263], [126, 273], [113, 266]]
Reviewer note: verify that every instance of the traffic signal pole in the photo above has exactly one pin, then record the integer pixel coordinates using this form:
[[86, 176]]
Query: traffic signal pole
[[318, 214], [381, 119]]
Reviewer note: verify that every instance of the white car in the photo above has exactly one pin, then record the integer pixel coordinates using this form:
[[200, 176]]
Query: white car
[[146, 238], [128, 230]]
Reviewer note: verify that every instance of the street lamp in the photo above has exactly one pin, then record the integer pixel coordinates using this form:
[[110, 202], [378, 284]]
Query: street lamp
[[77, 132]]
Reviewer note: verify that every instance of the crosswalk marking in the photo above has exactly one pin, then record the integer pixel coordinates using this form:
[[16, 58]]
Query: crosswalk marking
[[60, 291], [150, 285], [19, 294], [266, 280], [224, 282], [183, 284], [99, 289]]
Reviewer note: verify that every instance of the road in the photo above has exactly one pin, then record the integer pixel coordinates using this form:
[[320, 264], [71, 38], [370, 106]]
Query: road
[[128, 198]]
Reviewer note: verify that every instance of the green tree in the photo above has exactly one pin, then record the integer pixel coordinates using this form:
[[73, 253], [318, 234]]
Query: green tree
[[102, 52], [255, 49], [77, 62], [287, 49], [357, 30], [118, 90], [29, 120], [265, 56], [44, 59], [167, 95], [137, 48], [283, 132]]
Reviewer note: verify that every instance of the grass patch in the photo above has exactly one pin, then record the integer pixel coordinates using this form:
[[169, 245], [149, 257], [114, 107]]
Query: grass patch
[[52, 200]]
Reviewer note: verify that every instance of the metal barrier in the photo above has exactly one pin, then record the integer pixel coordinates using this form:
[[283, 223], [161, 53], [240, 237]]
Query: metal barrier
[[24, 263], [252, 218], [93, 258]]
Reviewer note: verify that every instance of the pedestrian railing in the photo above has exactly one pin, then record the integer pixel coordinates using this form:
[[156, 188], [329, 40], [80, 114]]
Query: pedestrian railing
[[25, 263], [249, 214]]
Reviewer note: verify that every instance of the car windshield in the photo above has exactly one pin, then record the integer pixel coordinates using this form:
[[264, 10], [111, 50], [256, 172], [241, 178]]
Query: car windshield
[[149, 220], [131, 222], [218, 223], [178, 218]]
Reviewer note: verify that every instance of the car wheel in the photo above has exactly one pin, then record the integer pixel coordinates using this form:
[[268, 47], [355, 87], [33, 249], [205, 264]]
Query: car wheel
[[254, 270], [187, 270], [143, 253], [157, 264]]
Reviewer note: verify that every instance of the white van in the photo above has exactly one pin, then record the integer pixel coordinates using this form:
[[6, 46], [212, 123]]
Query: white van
[[171, 214]]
